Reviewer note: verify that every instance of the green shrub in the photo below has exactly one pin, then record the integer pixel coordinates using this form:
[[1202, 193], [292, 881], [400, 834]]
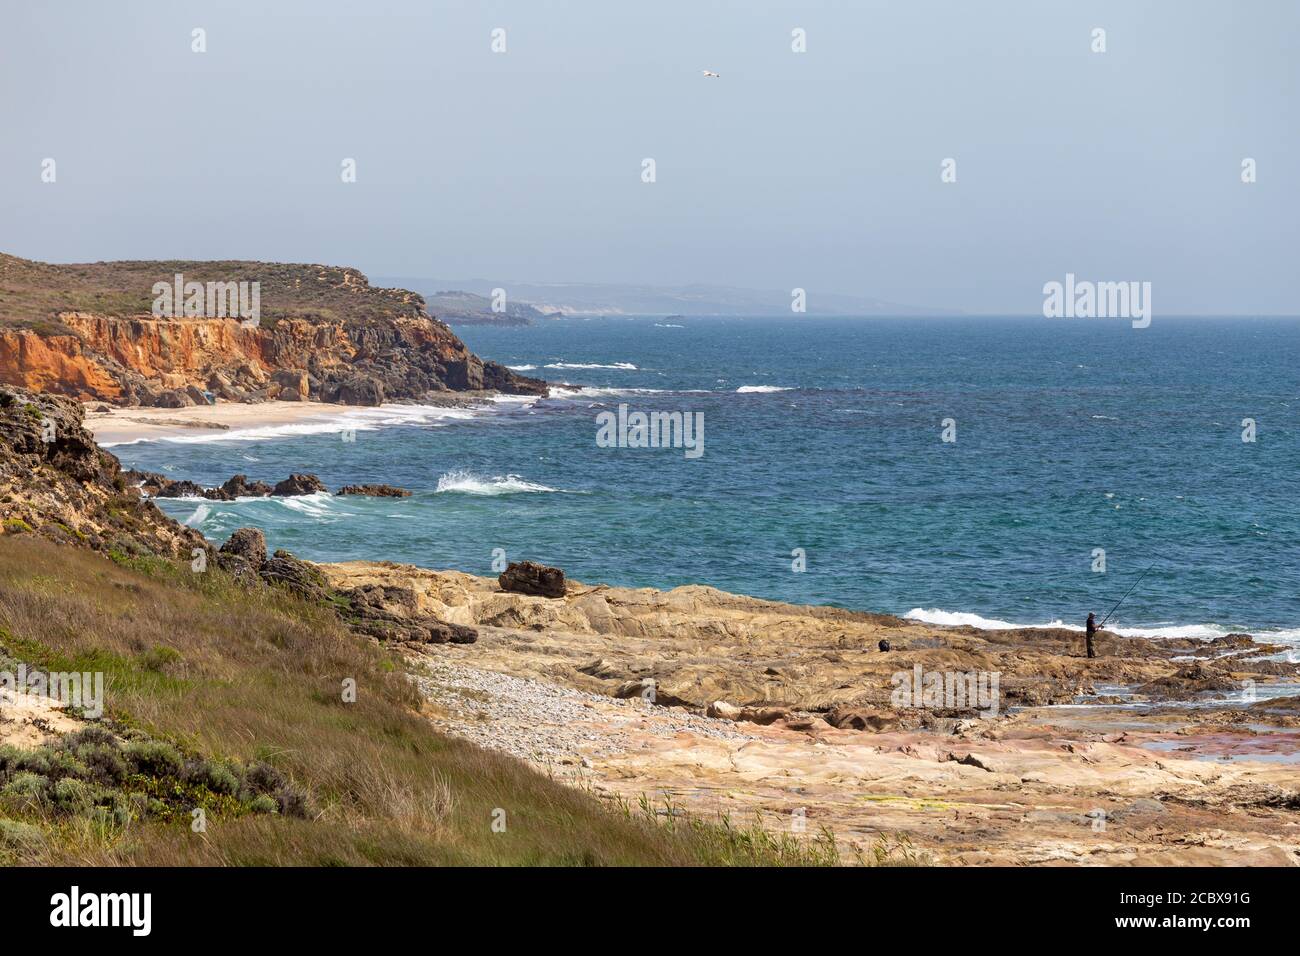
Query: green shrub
[[153, 758], [217, 777], [158, 658], [20, 836], [72, 796], [104, 763], [26, 787], [262, 803]]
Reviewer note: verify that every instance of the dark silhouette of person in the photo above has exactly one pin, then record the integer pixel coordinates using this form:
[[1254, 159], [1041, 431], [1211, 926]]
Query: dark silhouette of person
[[1091, 629]]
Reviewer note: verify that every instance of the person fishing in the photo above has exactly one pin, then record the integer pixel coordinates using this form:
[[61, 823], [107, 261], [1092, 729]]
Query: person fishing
[[1093, 627]]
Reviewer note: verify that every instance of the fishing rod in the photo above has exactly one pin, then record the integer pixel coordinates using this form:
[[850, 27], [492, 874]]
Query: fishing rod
[[1128, 592]]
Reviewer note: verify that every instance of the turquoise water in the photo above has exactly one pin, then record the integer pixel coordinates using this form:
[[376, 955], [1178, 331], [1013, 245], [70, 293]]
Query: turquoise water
[[1070, 436]]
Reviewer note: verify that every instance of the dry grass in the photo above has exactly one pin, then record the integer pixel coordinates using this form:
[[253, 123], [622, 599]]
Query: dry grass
[[242, 676], [32, 294]]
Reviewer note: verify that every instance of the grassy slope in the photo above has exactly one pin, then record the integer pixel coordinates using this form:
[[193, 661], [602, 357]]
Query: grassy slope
[[259, 677], [33, 293]]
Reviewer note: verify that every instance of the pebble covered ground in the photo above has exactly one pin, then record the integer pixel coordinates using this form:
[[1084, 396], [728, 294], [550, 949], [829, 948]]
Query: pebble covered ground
[[546, 723]]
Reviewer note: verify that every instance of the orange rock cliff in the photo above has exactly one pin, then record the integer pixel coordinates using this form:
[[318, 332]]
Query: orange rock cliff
[[324, 334]]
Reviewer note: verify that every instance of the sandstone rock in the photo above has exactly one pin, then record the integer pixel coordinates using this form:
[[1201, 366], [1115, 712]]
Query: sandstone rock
[[1190, 680], [173, 398], [374, 491], [196, 395], [293, 384], [862, 718], [644, 688], [528, 577], [754, 715], [298, 484], [599, 668], [393, 614]]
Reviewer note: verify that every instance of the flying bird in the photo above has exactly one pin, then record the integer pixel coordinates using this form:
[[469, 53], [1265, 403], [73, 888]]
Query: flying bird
[[710, 73]]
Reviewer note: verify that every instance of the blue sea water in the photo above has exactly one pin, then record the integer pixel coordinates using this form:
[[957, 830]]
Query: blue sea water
[[825, 435]]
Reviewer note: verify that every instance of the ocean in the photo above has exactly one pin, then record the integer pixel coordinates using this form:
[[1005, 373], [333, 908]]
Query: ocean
[[825, 477]]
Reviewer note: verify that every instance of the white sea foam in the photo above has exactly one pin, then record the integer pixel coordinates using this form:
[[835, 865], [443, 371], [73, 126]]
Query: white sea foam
[[1204, 632], [316, 505], [521, 368], [591, 391], [619, 366], [359, 419], [744, 389], [468, 483]]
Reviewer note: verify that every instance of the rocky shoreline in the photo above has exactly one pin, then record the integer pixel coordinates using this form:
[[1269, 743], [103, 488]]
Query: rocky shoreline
[[1170, 752], [151, 484], [715, 704]]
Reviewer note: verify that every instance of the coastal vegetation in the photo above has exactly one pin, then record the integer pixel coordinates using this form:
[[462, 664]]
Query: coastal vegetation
[[232, 699]]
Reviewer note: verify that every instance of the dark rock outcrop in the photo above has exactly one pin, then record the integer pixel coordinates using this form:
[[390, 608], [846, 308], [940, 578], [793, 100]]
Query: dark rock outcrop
[[248, 544], [528, 577], [238, 486], [298, 484], [149, 482], [301, 577], [353, 390], [180, 489], [57, 483], [374, 491]]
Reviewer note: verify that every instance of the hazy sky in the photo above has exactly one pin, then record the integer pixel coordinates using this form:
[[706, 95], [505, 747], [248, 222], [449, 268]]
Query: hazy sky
[[819, 170]]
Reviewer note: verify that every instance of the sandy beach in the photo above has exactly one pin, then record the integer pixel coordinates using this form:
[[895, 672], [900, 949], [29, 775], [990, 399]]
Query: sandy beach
[[121, 426]]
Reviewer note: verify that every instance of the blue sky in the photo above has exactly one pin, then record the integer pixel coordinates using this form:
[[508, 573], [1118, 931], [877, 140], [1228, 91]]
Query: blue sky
[[819, 169]]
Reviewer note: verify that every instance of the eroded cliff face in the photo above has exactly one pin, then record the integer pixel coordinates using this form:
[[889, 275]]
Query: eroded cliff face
[[325, 335]]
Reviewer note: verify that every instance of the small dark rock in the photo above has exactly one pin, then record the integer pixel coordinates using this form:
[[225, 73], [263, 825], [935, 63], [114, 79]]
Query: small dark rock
[[440, 632], [180, 489], [239, 486], [528, 577], [374, 491], [298, 484]]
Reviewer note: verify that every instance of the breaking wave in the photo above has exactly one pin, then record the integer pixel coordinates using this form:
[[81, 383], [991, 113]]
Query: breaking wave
[[468, 483], [620, 366], [1204, 632]]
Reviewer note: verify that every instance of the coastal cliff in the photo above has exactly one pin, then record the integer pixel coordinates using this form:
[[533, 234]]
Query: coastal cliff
[[322, 333]]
